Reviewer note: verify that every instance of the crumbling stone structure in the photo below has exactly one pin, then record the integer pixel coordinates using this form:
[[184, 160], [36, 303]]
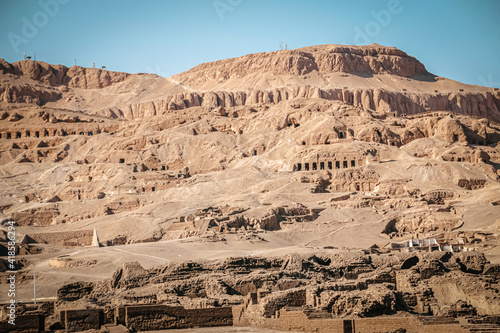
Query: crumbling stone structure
[[161, 317]]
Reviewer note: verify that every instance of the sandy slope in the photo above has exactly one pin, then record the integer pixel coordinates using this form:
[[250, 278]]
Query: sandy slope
[[143, 172]]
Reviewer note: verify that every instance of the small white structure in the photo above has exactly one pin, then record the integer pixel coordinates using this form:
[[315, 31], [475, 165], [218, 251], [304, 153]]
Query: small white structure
[[427, 245], [95, 239]]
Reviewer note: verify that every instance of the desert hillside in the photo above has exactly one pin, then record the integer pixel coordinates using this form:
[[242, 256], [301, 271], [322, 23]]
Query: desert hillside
[[325, 149]]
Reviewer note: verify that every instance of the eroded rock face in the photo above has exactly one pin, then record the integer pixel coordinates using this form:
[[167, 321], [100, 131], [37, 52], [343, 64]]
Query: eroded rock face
[[371, 59], [56, 75], [480, 104], [28, 94]]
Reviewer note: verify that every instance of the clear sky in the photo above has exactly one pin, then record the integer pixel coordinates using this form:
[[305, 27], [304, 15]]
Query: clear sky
[[457, 39]]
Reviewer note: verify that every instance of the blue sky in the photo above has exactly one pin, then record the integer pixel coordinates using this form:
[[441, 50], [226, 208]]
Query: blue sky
[[457, 39]]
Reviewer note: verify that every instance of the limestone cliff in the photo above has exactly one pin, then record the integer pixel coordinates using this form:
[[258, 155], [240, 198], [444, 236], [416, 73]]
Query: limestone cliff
[[362, 60], [479, 104], [373, 77]]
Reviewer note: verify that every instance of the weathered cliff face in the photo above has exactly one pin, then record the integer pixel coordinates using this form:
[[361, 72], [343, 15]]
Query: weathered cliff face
[[479, 104], [370, 59], [55, 75], [402, 84], [26, 93], [363, 60]]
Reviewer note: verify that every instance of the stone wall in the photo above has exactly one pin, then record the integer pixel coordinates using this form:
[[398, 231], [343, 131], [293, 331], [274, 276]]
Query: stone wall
[[299, 321], [80, 320], [42, 216], [161, 317], [66, 238], [24, 323]]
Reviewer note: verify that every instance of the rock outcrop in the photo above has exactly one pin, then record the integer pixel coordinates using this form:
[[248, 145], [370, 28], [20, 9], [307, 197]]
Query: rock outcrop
[[361, 60], [479, 104], [28, 93], [56, 75]]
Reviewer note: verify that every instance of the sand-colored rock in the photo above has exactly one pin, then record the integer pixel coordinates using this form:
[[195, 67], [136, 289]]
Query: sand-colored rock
[[302, 173]]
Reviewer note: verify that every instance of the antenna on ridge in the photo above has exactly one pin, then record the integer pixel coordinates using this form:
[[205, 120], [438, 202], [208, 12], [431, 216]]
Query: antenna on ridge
[[286, 46], [24, 55], [93, 65], [75, 61]]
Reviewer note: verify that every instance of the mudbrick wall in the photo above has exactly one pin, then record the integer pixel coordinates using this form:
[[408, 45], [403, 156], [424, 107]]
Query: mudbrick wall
[[66, 238], [341, 292], [160, 317], [24, 323], [80, 320], [36, 217], [299, 321]]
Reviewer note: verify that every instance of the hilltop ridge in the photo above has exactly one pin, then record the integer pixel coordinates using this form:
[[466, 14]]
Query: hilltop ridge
[[375, 77], [359, 60]]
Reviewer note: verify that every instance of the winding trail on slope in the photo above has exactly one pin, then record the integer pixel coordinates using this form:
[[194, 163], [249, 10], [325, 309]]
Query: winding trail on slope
[[159, 259]]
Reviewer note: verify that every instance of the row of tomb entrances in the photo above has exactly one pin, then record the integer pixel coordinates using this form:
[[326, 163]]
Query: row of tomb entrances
[[44, 133], [327, 165]]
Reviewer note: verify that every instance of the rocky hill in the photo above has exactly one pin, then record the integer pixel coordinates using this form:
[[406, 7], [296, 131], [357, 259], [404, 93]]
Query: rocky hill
[[57, 75], [373, 77], [324, 59], [338, 148]]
